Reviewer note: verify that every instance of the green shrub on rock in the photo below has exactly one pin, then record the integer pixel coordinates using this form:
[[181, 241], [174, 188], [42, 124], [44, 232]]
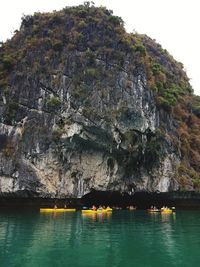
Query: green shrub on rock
[[53, 104]]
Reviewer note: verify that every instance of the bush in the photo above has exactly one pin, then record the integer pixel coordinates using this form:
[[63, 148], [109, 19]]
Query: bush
[[141, 49], [11, 112], [3, 83], [82, 24], [8, 62], [156, 68], [163, 103], [168, 98], [90, 57], [57, 45], [53, 104], [90, 73], [79, 93], [55, 20], [115, 20], [195, 105]]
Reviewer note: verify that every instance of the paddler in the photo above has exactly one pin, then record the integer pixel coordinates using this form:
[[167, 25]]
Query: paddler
[[94, 207]]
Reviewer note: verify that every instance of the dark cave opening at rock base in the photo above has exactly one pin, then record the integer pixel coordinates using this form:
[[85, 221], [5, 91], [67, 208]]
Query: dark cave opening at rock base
[[142, 200]]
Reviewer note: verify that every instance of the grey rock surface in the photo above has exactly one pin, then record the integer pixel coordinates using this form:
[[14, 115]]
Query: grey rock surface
[[104, 137]]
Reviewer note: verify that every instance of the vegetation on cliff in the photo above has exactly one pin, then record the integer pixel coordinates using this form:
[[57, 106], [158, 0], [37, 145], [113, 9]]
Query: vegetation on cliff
[[81, 38]]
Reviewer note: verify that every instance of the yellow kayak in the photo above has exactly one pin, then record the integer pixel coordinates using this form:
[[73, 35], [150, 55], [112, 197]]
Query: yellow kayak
[[56, 210], [97, 211], [108, 210], [166, 211]]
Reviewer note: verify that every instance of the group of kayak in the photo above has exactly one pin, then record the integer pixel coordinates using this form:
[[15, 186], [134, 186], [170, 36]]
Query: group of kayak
[[104, 209], [100, 209], [162, 210], [84, 210]]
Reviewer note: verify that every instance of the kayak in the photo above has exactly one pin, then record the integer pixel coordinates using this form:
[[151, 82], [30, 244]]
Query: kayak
[[97, 211], [166, 211], [108, 210], [56, 210], [132, 208], [153, 210]]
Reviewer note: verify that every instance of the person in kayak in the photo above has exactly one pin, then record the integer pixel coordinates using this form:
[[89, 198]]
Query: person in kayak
[[94, 207]]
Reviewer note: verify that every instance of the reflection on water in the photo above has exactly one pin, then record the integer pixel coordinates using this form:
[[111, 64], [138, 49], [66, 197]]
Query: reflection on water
[[97, 217], [121, 238], [165, 217]]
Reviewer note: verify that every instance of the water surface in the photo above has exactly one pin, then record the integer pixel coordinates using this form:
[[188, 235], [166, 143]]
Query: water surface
[[123, 238]]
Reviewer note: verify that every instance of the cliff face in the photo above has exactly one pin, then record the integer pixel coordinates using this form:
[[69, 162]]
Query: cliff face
[[82, 108], [69, 153]]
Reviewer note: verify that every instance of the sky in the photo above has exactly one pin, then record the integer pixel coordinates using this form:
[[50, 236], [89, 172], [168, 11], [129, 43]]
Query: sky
[[172, 23]]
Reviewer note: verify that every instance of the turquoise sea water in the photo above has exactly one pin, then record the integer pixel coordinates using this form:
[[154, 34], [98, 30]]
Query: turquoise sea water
[[123, 238]]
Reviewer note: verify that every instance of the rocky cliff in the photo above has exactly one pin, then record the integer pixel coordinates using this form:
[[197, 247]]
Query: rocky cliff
[[86, 106]]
